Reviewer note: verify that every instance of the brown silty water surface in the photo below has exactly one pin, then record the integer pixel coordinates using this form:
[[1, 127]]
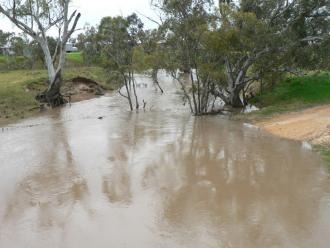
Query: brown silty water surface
[[159, 178]]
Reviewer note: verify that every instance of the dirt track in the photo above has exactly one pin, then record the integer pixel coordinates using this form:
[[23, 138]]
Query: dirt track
[[312, 125]]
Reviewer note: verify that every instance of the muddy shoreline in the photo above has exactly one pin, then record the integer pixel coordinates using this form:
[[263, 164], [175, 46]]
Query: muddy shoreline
[[311, 125]]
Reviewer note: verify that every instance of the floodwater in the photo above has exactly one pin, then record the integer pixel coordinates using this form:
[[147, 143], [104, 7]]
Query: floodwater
[[158, 178]]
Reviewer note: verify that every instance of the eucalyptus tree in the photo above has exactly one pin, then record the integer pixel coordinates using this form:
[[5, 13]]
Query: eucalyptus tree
[[118, 37], [258, 39], [239, 43], [187, 22], [36, 18]]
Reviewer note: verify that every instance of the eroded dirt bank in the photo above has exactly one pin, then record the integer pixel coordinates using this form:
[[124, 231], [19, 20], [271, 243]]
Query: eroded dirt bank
[[74, 90], [312, 125], [81, 88]]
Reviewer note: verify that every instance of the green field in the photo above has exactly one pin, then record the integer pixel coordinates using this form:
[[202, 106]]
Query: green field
[[73, 60], [18, 88]]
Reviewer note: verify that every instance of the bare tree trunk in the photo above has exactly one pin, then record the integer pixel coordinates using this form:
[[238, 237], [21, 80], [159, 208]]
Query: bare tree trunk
[[235, 100], [235, 84], [135, 95], [52, 95], [155, 79], [198, 91], [48, 60], [193, 93], [205, 96], [128, 94], [185, 92]]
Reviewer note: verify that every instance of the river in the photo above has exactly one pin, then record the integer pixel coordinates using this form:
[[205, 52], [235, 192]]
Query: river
[[94, 174]]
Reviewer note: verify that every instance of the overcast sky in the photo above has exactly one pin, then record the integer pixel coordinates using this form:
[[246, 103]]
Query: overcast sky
[[92, 11]]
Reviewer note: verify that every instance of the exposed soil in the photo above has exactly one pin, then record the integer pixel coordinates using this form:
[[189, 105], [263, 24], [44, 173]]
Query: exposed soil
[[80, 88], [312, 125]]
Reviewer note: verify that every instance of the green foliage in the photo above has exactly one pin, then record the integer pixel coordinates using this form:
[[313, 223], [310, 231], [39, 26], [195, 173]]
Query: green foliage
[[119, 36], [118, 40], [187, 23], [151, 53]]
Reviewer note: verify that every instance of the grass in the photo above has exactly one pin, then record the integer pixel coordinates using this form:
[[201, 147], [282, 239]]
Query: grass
[[294, 94], [18, 88], [75, 58], [15, 100]]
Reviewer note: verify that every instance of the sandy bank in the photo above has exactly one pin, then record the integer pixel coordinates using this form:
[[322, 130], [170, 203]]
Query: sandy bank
[[312, 125]]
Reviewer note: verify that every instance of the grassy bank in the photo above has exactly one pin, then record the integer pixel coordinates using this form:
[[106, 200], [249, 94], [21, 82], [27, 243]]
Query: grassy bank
[[294, 94], [18, 88]]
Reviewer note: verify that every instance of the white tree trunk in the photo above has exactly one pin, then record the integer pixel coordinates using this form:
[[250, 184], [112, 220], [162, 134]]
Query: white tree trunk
[[36, 21], [48, 60], [61, 63]]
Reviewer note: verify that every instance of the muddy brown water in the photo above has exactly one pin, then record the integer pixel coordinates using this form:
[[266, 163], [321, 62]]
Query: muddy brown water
[[159, 178]]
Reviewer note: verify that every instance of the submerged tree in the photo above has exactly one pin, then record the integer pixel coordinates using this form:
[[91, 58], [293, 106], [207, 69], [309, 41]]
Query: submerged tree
[[35, 18], [118, 37], [151, 54], [187, 22]]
